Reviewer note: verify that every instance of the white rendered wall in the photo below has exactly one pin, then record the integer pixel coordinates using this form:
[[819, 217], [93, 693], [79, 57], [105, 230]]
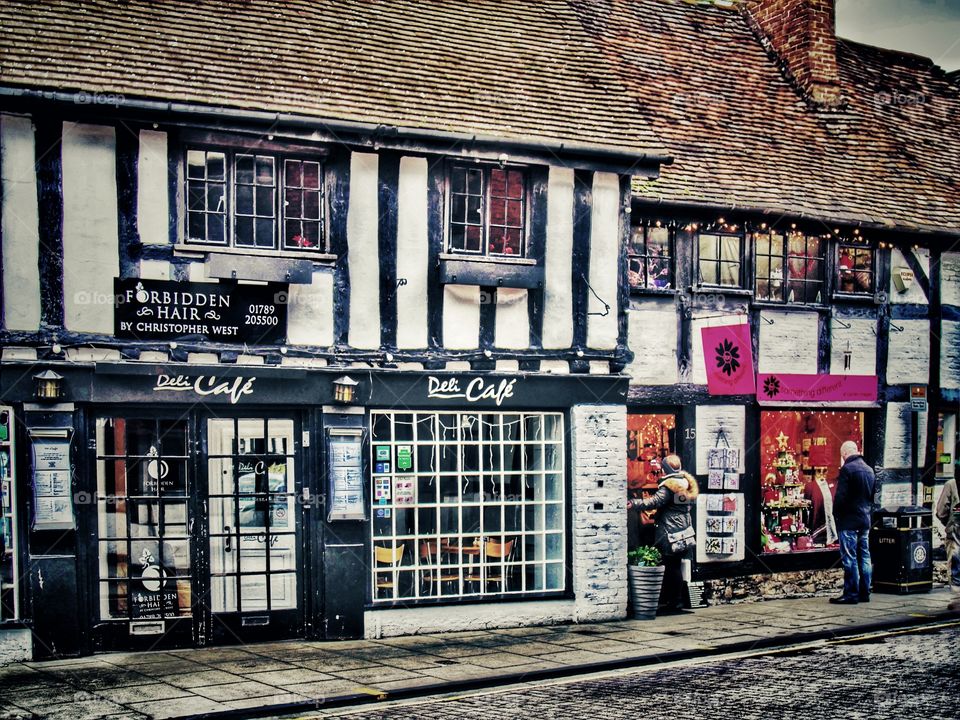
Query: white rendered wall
[[790, 344], [908, 359], [604, 257], [412, 253], [652, 337], [512, 328], [861, 339], [310, 311], [91, 258], [153, 188], [698, 373], [363, 251], [461, 317], [558, 261], [914, 295], [896, 446], [20, 228]]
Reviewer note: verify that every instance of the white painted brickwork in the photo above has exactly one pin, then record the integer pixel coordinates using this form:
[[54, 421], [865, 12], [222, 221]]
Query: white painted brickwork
[[710, 418], [451, 618], [914, 295], [861, 339], [896, 448], [652, 336], [598, 435], [950, 354], [950, 279], [20, 229], [789, 345], [909, 356], [91, 254]]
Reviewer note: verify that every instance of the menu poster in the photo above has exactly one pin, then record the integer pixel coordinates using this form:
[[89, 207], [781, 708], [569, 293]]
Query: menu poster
[[345, 474], [52, 501]]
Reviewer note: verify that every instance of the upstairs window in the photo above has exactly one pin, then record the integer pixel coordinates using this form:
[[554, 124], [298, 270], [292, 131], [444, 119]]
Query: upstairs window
[[720, 259], [856, 272], [789, 267], [254, 201], [650, 258], [488, 211]]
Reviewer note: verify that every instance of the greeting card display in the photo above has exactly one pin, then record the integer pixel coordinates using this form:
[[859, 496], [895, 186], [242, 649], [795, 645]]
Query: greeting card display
[[720, 523]]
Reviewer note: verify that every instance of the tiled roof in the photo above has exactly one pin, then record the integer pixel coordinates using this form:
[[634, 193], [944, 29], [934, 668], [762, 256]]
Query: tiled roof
[[509, 69], [742, 136]]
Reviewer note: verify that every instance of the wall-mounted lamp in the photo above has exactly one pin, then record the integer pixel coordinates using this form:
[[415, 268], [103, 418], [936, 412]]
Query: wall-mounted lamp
[[345, 390], [48, 385]]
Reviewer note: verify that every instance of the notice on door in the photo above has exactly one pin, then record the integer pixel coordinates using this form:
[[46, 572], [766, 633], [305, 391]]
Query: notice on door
[[345, 474], [52, 503]]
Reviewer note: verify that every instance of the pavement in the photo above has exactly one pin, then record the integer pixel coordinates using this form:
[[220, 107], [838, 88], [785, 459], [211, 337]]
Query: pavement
[[293, 676]]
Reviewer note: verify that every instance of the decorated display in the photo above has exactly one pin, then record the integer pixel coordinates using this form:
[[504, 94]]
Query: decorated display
[[649, 439], [800, 462]]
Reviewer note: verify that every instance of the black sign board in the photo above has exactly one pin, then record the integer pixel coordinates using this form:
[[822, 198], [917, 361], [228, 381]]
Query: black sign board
[[166, 310]]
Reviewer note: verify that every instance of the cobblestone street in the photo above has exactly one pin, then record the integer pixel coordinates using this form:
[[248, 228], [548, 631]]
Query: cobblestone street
[[911, 675]]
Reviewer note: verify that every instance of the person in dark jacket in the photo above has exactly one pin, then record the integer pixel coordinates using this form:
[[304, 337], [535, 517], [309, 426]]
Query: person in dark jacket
[[852, 508], [676, 493]]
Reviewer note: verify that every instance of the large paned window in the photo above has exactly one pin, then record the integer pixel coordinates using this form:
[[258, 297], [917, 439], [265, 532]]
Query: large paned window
[[143, 488], [649, 258], [790, 267], [488, 210], [9, 532], [720, 260], [255, 201], [467, 504], [856, 272]]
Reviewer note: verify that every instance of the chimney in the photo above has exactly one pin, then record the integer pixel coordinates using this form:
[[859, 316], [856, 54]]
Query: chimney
[[802, 34]]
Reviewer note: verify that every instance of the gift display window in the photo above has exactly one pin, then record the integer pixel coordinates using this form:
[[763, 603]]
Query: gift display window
[[650, 438], [9, 552], [800, 463]]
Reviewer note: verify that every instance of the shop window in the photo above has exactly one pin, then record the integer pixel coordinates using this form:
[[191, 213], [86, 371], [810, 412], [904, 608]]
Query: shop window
[[799, 466], [467, 504], [487, 212], [142, 519], [9, 545], [789, 267], [720, 260], [650, 258], [254, 201], [856, 271], [650, 438]]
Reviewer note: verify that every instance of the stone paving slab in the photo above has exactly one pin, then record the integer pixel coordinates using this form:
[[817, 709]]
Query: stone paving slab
[[283, 676]]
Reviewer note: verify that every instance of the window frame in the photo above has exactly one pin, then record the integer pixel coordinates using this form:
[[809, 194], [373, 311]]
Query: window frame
[[743, 261], [855, 243], [645, 257], [484, 254], [519, 563], [280, 156], [784, 256]]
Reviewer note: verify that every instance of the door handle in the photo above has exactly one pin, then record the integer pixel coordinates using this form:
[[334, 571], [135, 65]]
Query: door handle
[[228, 540]]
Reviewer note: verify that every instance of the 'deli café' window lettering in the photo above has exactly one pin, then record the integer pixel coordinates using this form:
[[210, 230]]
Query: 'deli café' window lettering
[[466, 504]]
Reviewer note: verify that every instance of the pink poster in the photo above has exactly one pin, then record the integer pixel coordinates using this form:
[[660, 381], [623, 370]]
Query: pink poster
[[776, 387], [728, 357]]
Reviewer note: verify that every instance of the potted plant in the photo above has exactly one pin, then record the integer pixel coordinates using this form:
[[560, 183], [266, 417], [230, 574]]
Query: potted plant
[[645, 568]]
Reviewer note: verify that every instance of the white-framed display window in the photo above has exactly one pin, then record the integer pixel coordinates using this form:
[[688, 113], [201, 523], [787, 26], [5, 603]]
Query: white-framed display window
[[467, 504], [9, 530]]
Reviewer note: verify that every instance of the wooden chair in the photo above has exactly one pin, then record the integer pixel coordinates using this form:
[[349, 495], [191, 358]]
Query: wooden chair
[[429, 555], [390, 557], [496, 574]]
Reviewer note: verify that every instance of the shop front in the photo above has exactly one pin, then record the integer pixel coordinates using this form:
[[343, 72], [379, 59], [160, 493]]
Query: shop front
[[223, 505]]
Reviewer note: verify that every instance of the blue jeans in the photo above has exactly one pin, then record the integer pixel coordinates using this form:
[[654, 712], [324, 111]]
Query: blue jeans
[[857, 569]]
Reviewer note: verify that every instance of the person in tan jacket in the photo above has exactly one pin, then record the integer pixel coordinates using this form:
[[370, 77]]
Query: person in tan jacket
[[948, 512]]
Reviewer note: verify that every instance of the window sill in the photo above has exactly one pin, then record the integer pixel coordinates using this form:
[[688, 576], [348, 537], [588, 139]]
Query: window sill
[[489, 272], [773, 305], [497, 259], [862, 298], [201, 250], [722, 290], [655, 292]]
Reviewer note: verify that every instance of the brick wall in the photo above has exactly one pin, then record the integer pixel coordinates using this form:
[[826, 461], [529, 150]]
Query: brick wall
[[599, 554], [802, 34]]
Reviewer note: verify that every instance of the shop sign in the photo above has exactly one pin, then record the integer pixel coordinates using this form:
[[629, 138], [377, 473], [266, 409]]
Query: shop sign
[[918, 398], [166, 310], [475, 390], [779, 388], [206, 385], [404, 457], [728, 358]]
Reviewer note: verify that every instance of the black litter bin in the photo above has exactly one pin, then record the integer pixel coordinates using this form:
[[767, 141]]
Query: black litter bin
[[901, 551]]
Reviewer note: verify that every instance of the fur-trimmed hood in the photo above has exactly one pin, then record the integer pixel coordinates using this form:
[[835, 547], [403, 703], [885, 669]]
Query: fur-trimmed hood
[[682, 483]]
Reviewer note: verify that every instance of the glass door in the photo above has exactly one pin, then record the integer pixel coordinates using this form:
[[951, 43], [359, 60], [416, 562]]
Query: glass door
[[254, 528]]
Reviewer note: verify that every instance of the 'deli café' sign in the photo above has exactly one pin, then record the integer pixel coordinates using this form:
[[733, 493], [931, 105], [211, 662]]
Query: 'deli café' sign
[[166, 310]]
